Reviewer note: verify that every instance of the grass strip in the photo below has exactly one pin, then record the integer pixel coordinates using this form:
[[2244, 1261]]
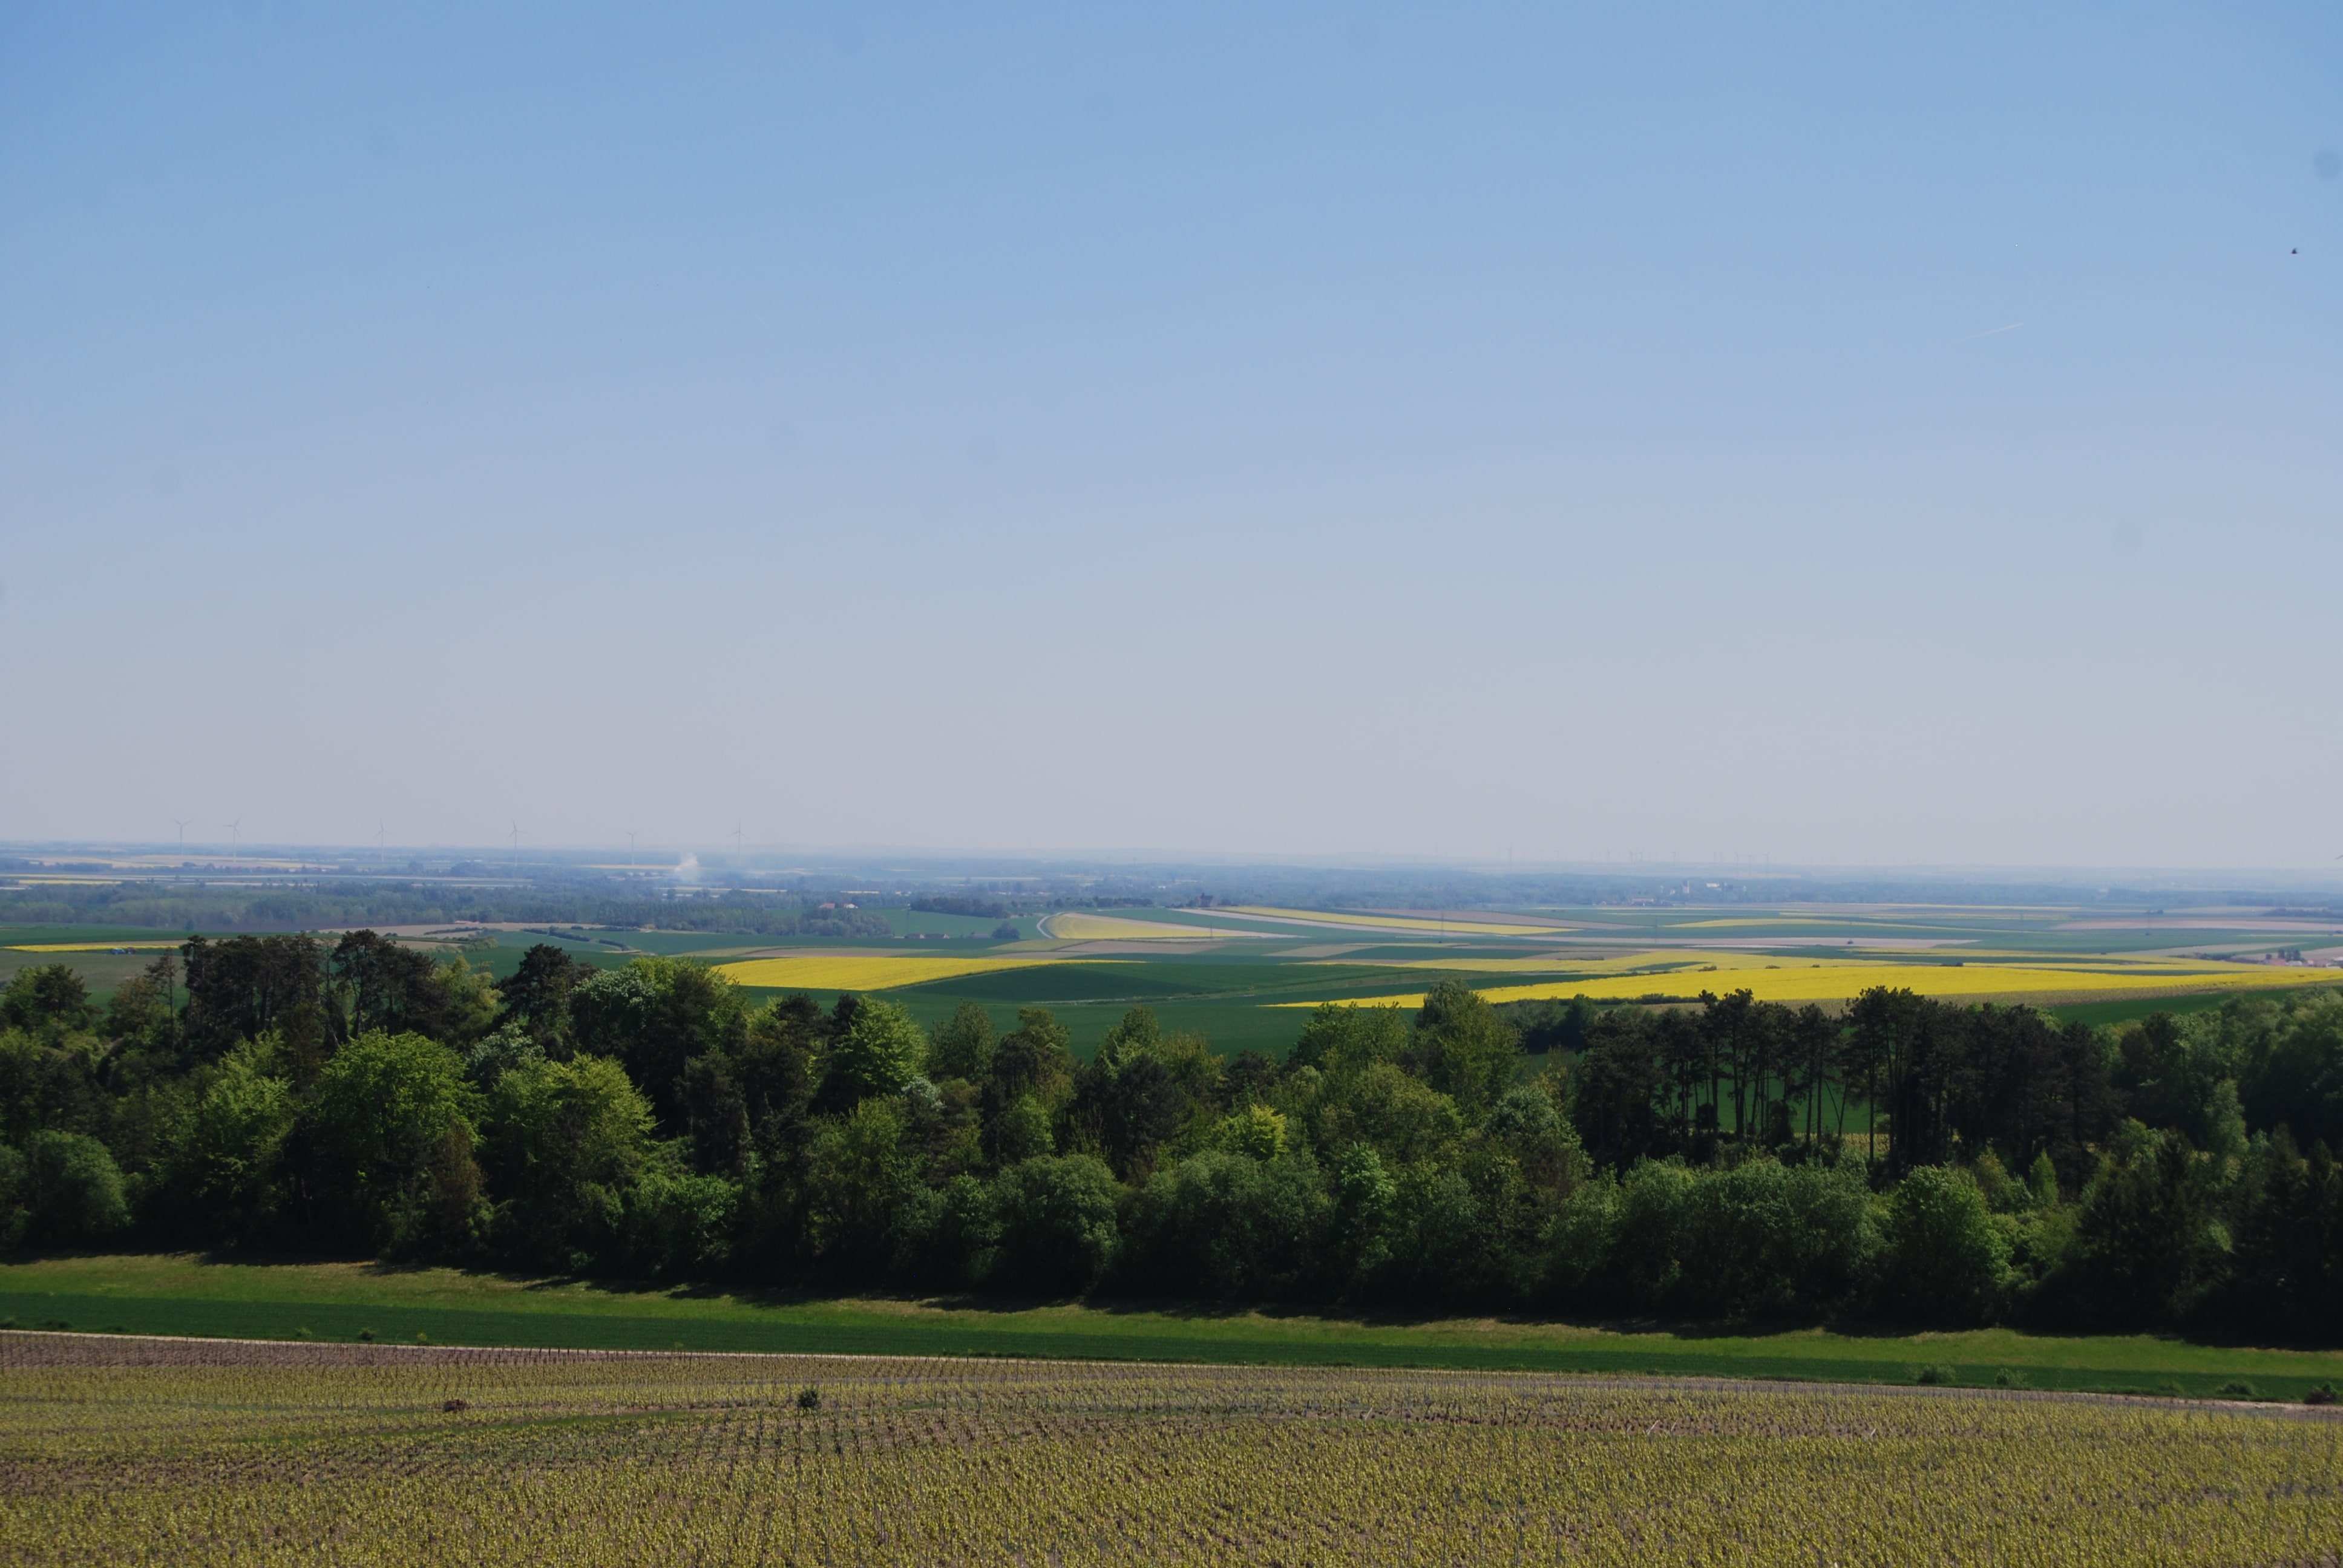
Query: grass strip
[[177, 1296]]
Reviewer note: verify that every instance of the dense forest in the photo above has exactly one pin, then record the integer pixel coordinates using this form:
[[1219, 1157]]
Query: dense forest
[[284, 1092]]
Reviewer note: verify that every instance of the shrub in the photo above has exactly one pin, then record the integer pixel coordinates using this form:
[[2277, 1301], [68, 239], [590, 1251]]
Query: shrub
[[944, 1239], [1444, 1246], [680, 1226], [1224, 1224], [70, 1191], [1057, 1223], [1767, 1239], [2144, 1241], [1642, 1264], [1946, 1257]]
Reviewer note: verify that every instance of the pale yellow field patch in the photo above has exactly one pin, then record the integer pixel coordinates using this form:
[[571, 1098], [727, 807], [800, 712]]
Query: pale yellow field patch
[[1840, 981], [1671, 959], [1078, 926], [1777, 920], [96, 947], [849, 972], [1401, 922]]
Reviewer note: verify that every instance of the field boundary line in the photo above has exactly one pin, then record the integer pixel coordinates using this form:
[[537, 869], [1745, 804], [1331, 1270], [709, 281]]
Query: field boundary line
[[1696, 1381]]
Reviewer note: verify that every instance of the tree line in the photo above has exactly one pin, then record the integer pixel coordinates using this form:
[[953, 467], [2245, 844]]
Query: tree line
[[1904, 1159]]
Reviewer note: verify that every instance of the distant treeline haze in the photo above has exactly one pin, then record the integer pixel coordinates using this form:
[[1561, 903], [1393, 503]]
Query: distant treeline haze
[[1908, 1160]]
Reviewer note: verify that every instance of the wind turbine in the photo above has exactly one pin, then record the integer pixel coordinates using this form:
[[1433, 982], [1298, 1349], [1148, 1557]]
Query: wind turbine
[[630, 848], [235, 843], [379, 832], [182, 822], [514, 838], [736, 838]]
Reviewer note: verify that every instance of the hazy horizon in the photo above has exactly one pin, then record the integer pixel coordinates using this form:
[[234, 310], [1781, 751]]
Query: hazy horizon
[[1826, 438], [943, 864]]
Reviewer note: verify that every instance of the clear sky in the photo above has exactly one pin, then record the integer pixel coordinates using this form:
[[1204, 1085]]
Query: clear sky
[[1871, 433]]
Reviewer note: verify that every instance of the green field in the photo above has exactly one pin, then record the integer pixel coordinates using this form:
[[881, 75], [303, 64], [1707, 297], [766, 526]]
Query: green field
[[185, 1295]]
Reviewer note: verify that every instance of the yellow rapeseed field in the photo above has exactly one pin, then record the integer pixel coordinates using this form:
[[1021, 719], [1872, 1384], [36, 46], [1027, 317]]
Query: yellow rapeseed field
[[168, 1451], [1571, 963], [1740, 920], [868, 971], [1837, 979]]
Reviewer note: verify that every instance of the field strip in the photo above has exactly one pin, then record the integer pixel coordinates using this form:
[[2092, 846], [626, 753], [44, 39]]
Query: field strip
[[1842, 924], [97, 947], [1414, 925], [1656, 963], [328, 1351], [1842, 982], [849, 973], [1080, 927]]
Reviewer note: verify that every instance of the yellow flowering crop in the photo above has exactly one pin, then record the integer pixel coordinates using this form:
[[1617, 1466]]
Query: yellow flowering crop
[[1838, 979], [94, 947], [1572, 963], [868, 971]]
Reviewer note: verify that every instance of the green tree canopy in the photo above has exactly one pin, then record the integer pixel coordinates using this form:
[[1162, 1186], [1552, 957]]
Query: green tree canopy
[[880, 1052], [1463, 1048], [654, 1016], [565, 1140], [221, 1162], [69, 1192], [1057, 1223], [1344, 1037], [391, 1128], [963, 1043], [1947, 1256], [48, 997]]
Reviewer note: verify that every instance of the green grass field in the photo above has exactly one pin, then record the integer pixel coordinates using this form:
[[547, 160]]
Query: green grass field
[[183, 1294]]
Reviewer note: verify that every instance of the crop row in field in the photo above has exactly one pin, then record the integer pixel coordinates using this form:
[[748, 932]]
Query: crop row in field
[[160, 1450]]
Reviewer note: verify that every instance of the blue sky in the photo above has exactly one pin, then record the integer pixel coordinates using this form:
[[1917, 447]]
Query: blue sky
[[1861, 434]]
